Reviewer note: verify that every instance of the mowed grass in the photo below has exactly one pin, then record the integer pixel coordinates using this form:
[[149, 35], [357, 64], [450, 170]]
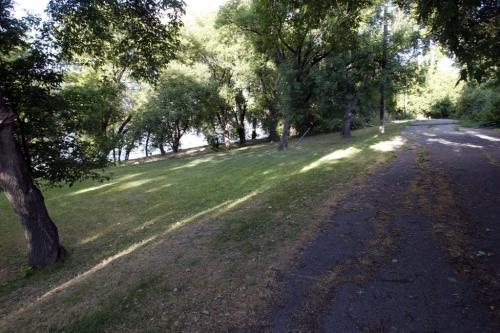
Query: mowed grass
[[183, 244]]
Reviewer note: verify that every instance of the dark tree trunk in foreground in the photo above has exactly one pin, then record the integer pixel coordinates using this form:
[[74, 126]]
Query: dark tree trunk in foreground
[[284, 136], [25, 198], [162, 149]]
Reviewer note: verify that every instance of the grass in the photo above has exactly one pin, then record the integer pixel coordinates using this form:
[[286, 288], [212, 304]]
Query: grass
[[470, 123], [190, 243], [477, 124]]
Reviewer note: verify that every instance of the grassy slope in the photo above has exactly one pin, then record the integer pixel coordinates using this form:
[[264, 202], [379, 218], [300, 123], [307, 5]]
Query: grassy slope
[[182, 243]]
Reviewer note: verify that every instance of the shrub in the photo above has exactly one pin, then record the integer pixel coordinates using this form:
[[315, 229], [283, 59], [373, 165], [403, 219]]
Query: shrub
[[480, 104], [442, 108]]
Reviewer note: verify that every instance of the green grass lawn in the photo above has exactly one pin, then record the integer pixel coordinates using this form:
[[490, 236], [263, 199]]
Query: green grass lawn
[[188, 243]]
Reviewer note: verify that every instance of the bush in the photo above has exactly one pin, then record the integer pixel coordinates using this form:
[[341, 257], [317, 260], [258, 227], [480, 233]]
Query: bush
[[480, 104], [442, 108]]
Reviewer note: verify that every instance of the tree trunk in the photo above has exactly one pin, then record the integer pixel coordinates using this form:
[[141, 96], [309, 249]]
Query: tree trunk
[[227, 137], [383, 74], [176, 142], [273, 132], [405, 98], [254, 128], [241, 106], [348, 120], [382, 108], [26, 199], [175, 147], [284, 136], [349, 111], [242, 135], [147, 144], [127, 154], [162, 149]]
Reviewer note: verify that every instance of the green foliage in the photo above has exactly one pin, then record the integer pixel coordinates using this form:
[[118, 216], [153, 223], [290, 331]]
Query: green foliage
[[350, 77], [177, 106], [229, 62], [442, 109], [130, 35], [26, 271], [297, 36], [480, 104], [437, 81], [96, 101], [467, 28], [66, 135], [46, 130]]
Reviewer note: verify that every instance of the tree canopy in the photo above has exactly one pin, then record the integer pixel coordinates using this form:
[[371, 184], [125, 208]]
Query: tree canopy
[[468, 29], [135, 36]]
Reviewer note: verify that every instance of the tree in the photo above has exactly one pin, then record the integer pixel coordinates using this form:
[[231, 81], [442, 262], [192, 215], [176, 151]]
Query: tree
[[129, 35], [347, 82], [266, 96], [25, 96], [39, 137], [177, 105], [97, 100], [118, 36], [229, 58], [298, 36], [469, 29]]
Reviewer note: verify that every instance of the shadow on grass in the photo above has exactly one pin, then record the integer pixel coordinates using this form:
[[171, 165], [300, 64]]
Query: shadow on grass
[[165, 196]]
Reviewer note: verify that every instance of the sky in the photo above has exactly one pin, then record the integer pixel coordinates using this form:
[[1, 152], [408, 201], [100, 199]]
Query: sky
[[193, 7]]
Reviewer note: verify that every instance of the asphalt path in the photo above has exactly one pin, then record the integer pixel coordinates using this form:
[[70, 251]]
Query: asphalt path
[[414, 249]]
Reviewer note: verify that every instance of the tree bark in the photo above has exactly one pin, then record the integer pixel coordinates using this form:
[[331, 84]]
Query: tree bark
[[254, 128], [227, 137], [382, 108], [284, 136], [162, 149], [175, 147], [25, 198], [383, 73], [240, 118], [127, 154], [348, 119], [242, 135], [273, 132], [350, 108], [147, 144]]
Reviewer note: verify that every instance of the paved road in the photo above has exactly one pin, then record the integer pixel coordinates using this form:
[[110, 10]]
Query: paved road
[[415, 249]]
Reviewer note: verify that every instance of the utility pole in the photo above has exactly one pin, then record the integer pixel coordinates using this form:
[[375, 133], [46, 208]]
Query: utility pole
[[383, 72]]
